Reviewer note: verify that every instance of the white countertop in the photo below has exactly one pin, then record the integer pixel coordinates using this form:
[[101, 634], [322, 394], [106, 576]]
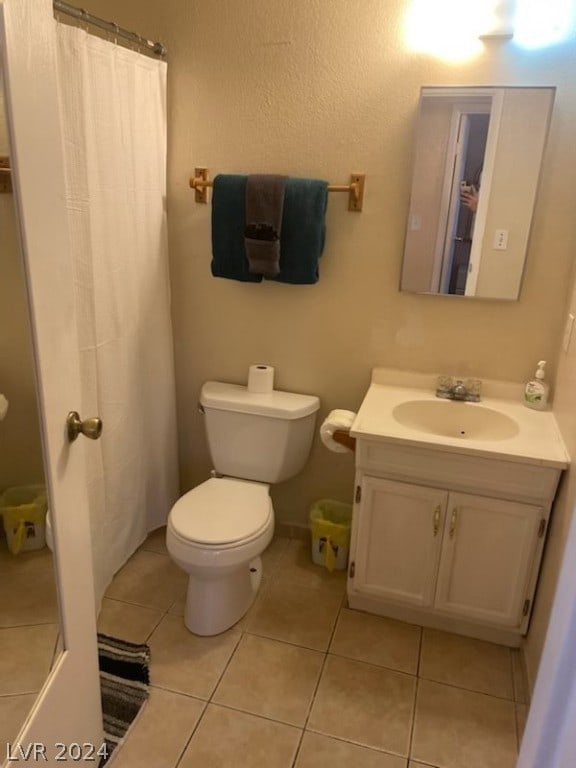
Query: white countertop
[[538, 440]]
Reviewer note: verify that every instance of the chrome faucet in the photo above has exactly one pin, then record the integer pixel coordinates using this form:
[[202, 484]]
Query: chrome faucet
[[457, 389]]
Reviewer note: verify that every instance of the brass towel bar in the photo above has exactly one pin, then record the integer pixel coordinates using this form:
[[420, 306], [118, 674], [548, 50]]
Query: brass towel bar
[[5, 175], [201, 182]]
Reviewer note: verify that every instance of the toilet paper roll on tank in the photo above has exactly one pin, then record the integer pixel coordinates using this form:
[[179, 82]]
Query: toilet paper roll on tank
[[261, 382], [336, 420], [260, 379]]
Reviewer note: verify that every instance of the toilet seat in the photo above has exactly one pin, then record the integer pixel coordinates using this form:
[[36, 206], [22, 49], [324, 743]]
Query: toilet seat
[[222, 512]]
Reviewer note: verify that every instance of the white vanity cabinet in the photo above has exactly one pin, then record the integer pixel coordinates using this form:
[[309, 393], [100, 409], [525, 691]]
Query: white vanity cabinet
[[397, 541], [488, 554], [448, 540]]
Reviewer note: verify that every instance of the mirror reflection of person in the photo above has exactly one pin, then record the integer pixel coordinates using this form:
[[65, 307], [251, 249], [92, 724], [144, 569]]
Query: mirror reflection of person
[[470, 199], [471, 192]]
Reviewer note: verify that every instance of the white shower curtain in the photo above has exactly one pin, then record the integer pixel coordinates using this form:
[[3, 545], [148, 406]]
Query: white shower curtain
[[113, 110]]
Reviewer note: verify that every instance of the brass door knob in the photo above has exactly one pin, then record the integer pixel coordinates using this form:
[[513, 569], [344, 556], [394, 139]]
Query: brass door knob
[[91, 427]]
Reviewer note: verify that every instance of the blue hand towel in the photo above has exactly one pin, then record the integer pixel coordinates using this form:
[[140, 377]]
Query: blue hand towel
[[302, 236], [303, 230], [228, 225]]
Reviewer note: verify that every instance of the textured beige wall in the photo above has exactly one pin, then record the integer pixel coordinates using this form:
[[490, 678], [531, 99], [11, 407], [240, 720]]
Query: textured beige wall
[[20, 449], [565, 411], [324, 88]]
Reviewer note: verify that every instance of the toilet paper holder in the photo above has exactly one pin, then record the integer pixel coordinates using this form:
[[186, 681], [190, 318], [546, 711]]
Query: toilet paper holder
[[344, 437]]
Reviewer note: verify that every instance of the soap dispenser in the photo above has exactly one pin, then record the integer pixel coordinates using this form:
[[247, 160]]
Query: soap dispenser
[[536, 391]]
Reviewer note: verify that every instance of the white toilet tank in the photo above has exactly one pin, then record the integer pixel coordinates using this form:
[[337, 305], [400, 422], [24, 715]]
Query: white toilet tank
[[264, 437]]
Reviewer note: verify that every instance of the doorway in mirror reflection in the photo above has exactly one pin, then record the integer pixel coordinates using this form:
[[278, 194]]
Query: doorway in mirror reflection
[[476, 169]]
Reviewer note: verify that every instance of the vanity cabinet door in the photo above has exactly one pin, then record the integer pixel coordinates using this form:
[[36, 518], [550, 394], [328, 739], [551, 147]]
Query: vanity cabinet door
[[398, 540], [488, 554]]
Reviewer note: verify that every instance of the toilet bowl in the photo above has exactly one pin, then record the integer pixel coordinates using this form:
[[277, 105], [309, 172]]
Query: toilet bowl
[[217, 531]]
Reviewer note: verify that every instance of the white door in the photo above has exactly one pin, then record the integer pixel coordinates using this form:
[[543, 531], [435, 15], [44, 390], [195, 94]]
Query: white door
[[398, 541], [487, 558], [68, 707], [454, 174]]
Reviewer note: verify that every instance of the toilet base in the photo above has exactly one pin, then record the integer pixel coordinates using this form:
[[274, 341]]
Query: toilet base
[[214, 605]]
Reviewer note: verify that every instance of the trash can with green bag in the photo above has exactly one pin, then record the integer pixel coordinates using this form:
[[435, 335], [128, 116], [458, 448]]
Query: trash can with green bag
[[330, 523], [23, 509]]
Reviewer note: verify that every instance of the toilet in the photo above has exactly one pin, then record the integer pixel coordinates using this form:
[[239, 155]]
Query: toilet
[[217, 531]]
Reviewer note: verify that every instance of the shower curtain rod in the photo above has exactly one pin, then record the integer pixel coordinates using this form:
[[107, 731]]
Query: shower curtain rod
[[109, 26]]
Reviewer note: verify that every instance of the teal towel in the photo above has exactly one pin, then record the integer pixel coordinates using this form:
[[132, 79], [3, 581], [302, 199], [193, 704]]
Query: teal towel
[[302, 237], [303, 231], [228, 225]]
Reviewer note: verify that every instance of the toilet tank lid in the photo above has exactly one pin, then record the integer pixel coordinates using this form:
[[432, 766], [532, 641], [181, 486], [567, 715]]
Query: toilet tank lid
[[235, 397]]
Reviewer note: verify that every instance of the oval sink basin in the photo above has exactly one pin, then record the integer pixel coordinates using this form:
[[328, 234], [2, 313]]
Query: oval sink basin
[[449, 418]]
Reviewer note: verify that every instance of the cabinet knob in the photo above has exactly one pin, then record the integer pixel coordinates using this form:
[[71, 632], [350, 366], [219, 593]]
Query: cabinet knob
[[436, 523], [453, 521]]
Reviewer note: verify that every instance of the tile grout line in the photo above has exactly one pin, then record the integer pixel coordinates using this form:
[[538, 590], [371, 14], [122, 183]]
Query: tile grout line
[[210, 700], [455, 685], [394, 670], [513, 666], [276, 573], [516, 728], [139, 605], [257, 716], [225, 669], [187, 744], [15, 694], [520, 677], [54, 621], [468, 690], [53, 657], [361, 745], [373, 664], [55, 649], [324, 661], [154, 628], [178, 693], [311, 702], [420, 649], [163, 613], [315, 691], [292, 643], [513, 676], [413, 724], [416, 687], [524, 677]]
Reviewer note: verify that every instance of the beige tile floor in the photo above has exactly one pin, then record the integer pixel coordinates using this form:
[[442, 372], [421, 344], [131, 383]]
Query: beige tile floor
[[304, 682], [28, 633]]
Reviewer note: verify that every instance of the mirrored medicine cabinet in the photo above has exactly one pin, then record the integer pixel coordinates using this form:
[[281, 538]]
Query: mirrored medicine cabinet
[[476, 168]]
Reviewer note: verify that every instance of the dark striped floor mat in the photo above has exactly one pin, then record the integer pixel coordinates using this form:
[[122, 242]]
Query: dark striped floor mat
[[124, 680]]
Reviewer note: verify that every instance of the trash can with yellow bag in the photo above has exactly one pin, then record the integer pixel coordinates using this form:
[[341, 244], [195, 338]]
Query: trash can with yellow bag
[[330, 523], [23, 509]]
